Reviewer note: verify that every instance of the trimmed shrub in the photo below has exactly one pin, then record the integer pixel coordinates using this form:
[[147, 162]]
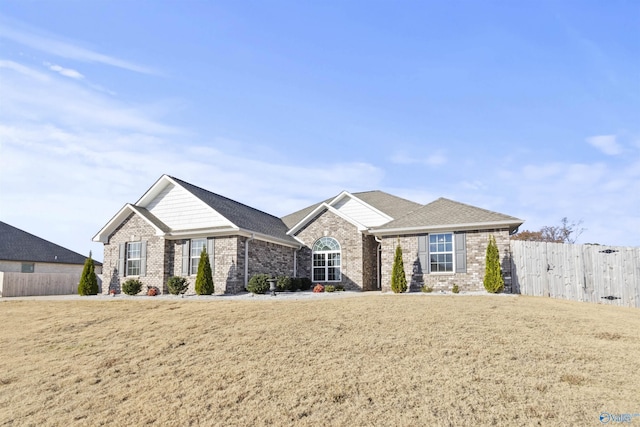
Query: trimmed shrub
[[318, 288], [204, 279], [455, 289], [132, 287], [339, 288], [258, 284], [152, 291], [88, 280], [177, 285], [305, 283], [398, 278], [493, 281], [426, 288], [295, 284], [329, 288], [283, 283]]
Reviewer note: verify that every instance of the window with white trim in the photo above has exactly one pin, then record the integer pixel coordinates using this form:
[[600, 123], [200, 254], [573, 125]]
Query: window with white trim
[[197, 246], [441, 252], [326, 255], [134, 258]]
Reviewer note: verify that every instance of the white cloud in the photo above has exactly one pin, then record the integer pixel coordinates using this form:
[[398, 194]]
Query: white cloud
[[434, 159], [54, 45], [606, 143], [67, 72], [72, 157]]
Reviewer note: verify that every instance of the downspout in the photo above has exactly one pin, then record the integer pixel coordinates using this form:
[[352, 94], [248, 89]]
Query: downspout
[[378, 251], [246, 260], [295, 262]]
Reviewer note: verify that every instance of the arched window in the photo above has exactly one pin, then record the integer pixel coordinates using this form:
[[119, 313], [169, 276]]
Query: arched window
[[326, 260]]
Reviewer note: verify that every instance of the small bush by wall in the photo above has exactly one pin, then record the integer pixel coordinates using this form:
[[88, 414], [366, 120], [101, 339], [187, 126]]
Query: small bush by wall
[[284, 283], [305, 283], [258, 284], [177, 285], [318, 288], [132, 287]]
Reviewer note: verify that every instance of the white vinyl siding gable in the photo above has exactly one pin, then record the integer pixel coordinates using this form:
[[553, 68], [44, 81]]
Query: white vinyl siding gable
[[181, 210], [360, 212]]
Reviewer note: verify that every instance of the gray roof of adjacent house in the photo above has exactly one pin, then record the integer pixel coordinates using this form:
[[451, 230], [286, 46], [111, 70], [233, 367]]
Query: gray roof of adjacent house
[[18, 245], [448, 213], [389, 204], [241, 215]]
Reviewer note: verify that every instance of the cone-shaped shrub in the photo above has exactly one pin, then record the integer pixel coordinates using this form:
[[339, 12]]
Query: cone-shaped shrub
[[398, 278], [204, 279], [88, 281], [493, 281]]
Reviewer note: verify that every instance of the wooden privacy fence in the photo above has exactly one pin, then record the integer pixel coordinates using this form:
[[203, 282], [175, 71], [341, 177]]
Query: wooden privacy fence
[[33, 284], [591, 273]]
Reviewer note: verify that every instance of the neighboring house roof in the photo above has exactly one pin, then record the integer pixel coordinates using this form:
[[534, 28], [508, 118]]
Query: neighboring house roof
[[445, 214], [391, 205], [18, 245]]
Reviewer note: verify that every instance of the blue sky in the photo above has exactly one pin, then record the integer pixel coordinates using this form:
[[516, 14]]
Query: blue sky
[[529, 108]]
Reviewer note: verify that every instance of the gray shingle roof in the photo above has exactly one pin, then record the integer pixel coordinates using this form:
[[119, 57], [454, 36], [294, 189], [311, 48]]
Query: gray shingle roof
[[18, 245], [241, 215], [389, 204], [447, 212]]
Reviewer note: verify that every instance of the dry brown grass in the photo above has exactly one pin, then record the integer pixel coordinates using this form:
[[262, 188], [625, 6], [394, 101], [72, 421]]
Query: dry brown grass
[[367, 360]]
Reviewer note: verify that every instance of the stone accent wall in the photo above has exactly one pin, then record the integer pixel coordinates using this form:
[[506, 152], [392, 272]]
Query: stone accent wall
[[134, 229], [476, 245], [369, 263], [270, 258], [351, 242]]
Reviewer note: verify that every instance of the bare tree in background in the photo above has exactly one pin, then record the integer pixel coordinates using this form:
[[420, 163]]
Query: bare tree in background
[[567, 232]]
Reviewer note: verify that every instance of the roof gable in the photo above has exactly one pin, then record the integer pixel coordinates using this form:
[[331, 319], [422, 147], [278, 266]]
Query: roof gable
[[18, 245], [176, 208], [448, 214], [243, 216], [180, 209], [369, 208]]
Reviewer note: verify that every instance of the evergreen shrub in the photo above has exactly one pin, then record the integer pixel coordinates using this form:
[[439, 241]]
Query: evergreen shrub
[[283, 283], [204, 279], [132, 287], [258, 284], [493, 281], [88, 280], [398, 278], [329, 288], [455, 289], [177, 285], [305, 283]]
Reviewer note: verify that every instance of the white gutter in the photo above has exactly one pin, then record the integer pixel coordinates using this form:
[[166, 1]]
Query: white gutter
[[246, 260]]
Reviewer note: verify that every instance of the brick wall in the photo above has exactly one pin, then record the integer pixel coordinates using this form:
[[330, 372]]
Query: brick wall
[[270, 258], [134, 229], [328, 224], [476, 245]]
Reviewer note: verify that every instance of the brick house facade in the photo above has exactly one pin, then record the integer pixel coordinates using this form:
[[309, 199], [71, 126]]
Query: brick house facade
[[348, 240]]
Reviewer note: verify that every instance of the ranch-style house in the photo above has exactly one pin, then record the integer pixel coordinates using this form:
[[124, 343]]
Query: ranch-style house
[[349, 240]]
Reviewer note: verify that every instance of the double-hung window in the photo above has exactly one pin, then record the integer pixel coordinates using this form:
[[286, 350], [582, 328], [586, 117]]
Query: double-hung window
[[134, 258], [441, 252], [197, 245], [191, 254], [326, 260]]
